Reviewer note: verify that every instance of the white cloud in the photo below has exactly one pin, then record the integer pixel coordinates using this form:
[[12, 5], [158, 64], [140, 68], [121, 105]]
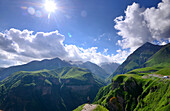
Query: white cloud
[[19, 47], [141, 25], [163, 43]]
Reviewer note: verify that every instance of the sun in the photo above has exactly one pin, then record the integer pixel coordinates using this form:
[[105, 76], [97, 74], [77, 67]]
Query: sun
[[50, 6]]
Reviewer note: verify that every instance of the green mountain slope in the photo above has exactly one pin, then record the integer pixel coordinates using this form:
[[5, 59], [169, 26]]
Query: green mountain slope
[[161, 58], [133, 92], [141, 89], [137, 58], [34, 66], [161, 71], [47, 90], [99, 73]]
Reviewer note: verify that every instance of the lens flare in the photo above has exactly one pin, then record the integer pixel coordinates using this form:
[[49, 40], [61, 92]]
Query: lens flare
[[69, 35], [31, 10]]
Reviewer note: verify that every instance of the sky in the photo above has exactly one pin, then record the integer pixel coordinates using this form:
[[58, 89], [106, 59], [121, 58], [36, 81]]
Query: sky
[[80, 30]]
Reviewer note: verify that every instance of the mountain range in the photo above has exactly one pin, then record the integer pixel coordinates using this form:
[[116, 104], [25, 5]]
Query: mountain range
[[57, 63], [49, 85]]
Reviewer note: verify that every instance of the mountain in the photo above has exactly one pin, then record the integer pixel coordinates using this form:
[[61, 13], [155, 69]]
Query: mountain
[[61, 89], [142, 91], [95, 69], [145, 87], [109, 67], [34, 66], [137, 58], [160, 58]]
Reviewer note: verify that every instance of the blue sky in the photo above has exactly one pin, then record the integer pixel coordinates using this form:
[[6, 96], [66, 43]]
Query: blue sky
[[84, 23]]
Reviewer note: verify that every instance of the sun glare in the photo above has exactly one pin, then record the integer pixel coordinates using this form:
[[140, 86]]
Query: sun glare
[[50, 6]]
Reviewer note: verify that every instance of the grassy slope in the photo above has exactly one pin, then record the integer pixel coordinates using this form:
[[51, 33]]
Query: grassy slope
[[155, 97], [132, 92], [137, 91], [100, 108], [54, 83], [164, 71], [77, 73], [29, 87], [34, 66], [137, 58], [79, 108], [161, 58], [151, 70]]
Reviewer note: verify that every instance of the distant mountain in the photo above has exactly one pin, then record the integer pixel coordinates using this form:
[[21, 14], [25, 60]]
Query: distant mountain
[[160, 58], [109, 67], [95, 69], [34, 66], [61, 89], [49, 64], [137, 58]]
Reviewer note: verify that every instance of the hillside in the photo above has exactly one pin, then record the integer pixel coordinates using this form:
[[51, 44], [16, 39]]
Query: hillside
[[95, 69], [61, 89], [99, 73], [137, 58], [136, 92], [140, 89], [161, 58], [34, 66]]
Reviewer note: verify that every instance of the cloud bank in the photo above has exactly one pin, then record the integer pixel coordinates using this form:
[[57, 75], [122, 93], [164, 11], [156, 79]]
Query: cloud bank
[[140, 25], [19, 47]]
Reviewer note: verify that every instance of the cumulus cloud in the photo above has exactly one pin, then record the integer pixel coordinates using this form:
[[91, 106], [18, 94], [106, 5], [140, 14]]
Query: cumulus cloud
[[92, 55], [140, 25], [18, 47]]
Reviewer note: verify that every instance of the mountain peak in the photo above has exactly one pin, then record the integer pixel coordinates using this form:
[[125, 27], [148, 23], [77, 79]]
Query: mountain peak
[[137, 58], [147, 43]]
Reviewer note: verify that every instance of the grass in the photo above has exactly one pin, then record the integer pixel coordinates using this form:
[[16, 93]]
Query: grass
[[54, 88], [160, 58], [164, 71], [155, 97], [79, 108], [140, 94], [100, 108], [151, 70], [146, 70], [76, 73]]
